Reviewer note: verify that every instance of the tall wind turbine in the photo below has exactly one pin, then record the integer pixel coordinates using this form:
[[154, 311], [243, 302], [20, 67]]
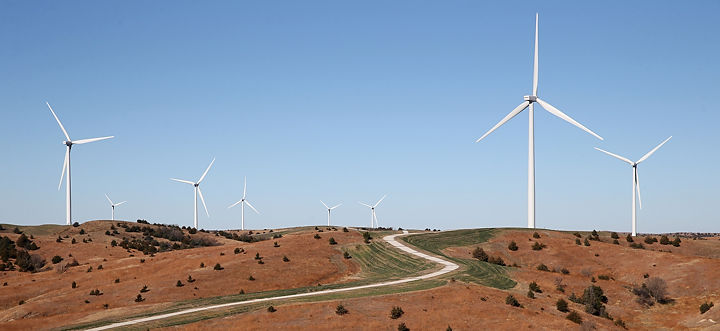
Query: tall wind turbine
[[373, 218], [243, 202], [529, 102], [329, 209], [197, 191], [66, 165], [636, 180], [113, 205]]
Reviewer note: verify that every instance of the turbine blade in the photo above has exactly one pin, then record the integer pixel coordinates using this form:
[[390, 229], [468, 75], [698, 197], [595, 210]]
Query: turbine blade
[[653, 150], [182, 181], [637, 186], [234, 204], [615, 155], [562, 115], [206, 171], [331, 208], [85, 141], [58, 120], [251, 206], [120, 203], [364, 204], [535, 66], [108, 198], [244, 187], [203, 201], [381, 199], [326, 207], [512, 114], [65, 164]]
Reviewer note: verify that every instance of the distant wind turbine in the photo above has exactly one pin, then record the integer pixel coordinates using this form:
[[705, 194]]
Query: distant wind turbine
[[197, 191], [529, 103], [66, 165], [243, 202], [636, 180], [329, 209], [113, 205], [373, 218]]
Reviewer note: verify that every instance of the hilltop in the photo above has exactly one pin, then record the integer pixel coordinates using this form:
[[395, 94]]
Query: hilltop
[[178, 266]]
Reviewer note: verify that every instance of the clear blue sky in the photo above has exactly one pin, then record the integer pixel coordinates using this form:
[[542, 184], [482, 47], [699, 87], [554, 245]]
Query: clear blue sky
[[346, 101]]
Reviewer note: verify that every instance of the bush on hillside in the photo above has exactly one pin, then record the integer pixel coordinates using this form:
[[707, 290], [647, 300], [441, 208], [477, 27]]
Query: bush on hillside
[[705, 307], [629, 238], [538, 246], [637, 246], [614, 235], [317, 236], [510, 300], [218, 267], [578, 242], [480, 254], [340, 310], [562, 305], [574, 317], [542, 267], [533, 286], [332, 241], [396, 312], [403, 327], [536, 235], [650, 240], [513, 246], [56, 259]]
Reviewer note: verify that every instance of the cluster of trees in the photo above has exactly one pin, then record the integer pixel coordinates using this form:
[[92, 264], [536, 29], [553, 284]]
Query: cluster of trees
[[23, 260], [480, 254], [594, 301], [247, 237], [654, 290]]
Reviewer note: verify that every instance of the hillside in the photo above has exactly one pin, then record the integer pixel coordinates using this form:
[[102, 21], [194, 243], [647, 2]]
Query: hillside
[[474, 295]]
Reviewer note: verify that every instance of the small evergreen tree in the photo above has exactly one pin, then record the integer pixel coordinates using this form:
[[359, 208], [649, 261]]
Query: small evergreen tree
[[513, 246], [562, 305]]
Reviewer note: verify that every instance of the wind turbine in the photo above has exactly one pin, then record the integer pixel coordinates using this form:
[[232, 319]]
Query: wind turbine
[[373, 218], [636, 180], [243, 202], [329, 209], [113, 205], [529, 102], [66, 165], [197, 190]]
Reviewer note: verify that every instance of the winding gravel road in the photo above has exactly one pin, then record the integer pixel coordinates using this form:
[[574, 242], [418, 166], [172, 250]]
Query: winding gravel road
[[449, 266]]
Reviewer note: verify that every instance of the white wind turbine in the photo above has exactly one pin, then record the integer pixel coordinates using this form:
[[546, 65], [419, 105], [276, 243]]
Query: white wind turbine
[[66, 165], [243, 202], [329, 209], [529, 103], [113, 205], [197, 191], [373, 218], [636, 180]]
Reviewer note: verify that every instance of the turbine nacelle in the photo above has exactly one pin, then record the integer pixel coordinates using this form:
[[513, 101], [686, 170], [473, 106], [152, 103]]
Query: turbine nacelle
[[530, 98], [67, 143]]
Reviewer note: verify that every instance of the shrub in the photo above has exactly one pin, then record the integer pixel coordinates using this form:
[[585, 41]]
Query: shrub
[[650, 240], [676, 242], [261, 262], [237, 250], [564, 271], [480, 254], [542, 267], [276, 244], [340, 310], [403, 327], [58, 240], [251, 278], [218, 267], [144, 289], [664, 240], [637, 246], [257, 256], [574, 317], [594, 234], [577, 234], [513, 246], [604, 277], [179, 284], [531, 294], [578, 242], [534, 287], [629, 238], [658, 289], [139, 298], [113, 243], [367, 237], [332, 241], [76, 224], [190, 279], [538, 246], [562, 305], [89, 269], [619, 322], [346, 230], [100, 267], [616, 242], [614, 235], [82, 231], [285, 259], [346, 255], [396, 312], [95, 292], [74, 284], [117, 280], [56, 259], [586, 242], [202, 265], [510, 300], [317, 236], [705, 307], [593, 299], [536, 235]]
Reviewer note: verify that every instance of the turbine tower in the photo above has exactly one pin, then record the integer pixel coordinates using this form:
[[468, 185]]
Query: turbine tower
[[636, 180], [373, 218], [66, 165], [529, 103], [243, 202], [197, 191], [329, 209], [113, 205]]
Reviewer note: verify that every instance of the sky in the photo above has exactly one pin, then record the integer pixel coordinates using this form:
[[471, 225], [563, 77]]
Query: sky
[[345, 101]]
